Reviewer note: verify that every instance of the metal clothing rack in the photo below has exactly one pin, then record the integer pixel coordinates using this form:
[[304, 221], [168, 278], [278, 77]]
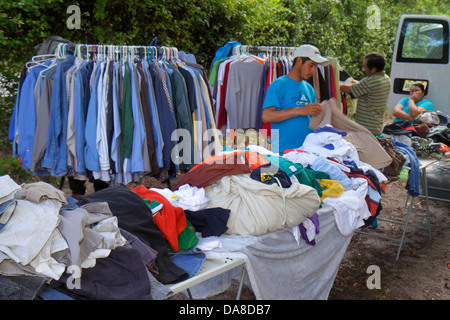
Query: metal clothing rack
[[116, 52], [268, 50]]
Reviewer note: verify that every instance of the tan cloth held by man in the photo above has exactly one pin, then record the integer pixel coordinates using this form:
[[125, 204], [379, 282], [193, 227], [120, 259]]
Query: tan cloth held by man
[[369, 149]]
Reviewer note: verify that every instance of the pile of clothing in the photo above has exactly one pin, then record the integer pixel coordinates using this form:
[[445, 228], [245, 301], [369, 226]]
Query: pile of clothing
[[111, 244], [266, 192], [118, 243], [430, 139]]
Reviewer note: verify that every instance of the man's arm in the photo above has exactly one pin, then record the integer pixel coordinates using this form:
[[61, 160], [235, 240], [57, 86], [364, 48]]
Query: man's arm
[[345, 88], [271, 114]]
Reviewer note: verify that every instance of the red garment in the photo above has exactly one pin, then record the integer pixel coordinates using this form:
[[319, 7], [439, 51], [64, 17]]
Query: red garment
[[332, 83], [289, 150], [170, 220], [371, 204], [219, 166], [222, 115]]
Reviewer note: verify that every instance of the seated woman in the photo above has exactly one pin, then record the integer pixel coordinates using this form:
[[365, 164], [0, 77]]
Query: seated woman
[[410, 108]]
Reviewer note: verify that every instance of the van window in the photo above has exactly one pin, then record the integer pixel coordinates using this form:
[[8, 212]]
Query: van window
[[423, 41]]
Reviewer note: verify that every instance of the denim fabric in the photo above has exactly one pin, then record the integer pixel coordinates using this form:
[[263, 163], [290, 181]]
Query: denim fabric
[[55, 157], [6, 212], [90, 150], [413, 183], [137, 161], [71, 204], [26, 116], [51, 294], [190, 260], [20, 287]]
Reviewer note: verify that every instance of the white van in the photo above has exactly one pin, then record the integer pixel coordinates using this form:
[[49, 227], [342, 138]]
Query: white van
[[421, 53]]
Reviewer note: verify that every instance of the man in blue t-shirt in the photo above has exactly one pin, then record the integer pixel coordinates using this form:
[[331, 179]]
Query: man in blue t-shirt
[[290, 101], [410, 107]]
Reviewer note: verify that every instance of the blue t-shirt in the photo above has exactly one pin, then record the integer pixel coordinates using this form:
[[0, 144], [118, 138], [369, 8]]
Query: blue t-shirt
[[285, 93], [424, 103]]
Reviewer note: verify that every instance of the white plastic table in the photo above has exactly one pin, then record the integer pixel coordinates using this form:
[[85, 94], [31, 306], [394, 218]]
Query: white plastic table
[[209, 269]]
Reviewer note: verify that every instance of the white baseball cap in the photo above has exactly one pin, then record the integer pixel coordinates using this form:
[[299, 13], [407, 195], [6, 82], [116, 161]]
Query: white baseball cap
[[307, 50]]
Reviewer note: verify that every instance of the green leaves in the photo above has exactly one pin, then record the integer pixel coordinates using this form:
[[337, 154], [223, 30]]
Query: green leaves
[[339, 28]]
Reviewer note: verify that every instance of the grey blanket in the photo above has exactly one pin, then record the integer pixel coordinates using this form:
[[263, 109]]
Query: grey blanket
[[279, 267]]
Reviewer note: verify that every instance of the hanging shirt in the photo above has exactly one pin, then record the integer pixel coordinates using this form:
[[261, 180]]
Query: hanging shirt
[[26, 120], [42, 118], [90, 150], [55, 157], [81, 101], [159, 143], [244, 80]]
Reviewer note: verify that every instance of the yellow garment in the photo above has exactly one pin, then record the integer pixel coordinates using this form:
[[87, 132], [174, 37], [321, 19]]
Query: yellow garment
[[331, 188]]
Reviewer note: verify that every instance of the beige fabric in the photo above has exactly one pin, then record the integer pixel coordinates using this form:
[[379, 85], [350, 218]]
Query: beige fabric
[[257, 208], [369, 149], [39, 191]]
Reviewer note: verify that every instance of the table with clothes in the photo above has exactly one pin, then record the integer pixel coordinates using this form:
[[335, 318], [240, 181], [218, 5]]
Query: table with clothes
[[301, 208]]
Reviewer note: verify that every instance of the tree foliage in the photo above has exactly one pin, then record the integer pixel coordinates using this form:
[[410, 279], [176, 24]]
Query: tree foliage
[[339, 28]]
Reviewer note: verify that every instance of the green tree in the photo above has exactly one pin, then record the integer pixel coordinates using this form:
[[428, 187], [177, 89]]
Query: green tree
[[339, 28]]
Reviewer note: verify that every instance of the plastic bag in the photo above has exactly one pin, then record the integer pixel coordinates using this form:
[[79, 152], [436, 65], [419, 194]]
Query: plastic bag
[[428, 117]]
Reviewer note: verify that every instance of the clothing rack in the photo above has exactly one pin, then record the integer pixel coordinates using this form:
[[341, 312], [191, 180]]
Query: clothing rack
[[158, 70], [275, 61], [115, 52], [268, 50]]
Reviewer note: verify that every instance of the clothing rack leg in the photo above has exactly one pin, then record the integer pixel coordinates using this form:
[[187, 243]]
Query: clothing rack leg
[[405, 227], [241, 283], [424, 175]]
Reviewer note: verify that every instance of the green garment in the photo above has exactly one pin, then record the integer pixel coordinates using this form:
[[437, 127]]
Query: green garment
[[187, 239], [182, 114], [126, 115], [214, 69], [306, 176]]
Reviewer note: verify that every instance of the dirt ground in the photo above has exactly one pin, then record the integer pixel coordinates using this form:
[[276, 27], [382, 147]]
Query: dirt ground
[[420, 273]]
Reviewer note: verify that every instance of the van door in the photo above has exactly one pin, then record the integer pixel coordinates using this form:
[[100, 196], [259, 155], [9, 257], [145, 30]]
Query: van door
[[421, 53]]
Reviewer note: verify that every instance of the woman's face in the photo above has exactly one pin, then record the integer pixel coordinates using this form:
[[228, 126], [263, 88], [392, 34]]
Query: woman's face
[[417, 92]]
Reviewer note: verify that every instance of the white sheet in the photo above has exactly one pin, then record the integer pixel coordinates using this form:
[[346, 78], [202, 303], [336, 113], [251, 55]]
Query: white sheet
[[278, 267]]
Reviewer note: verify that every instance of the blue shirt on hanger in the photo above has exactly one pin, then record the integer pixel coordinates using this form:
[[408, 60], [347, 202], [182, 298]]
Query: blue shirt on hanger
[[81, 101], [137, 160], [55, 157], [26, 115], [90, 133]]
